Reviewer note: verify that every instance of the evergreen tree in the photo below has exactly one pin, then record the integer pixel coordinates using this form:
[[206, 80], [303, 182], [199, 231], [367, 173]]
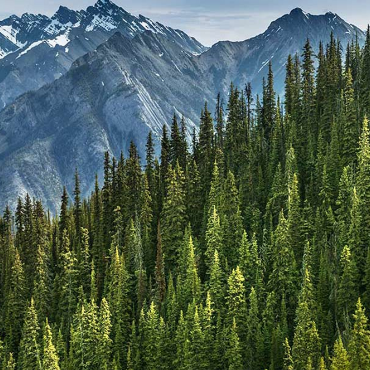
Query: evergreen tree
[[348, 289], [213, 238], [234, 351], [29, 349], [359, 345], [173, 216], [350, 126], [306, 344], [15, 304], [254, 343], [363, 187], [77, 211], [288, 360], [50, 359], [11, 363], [104, 341], [340, 360]]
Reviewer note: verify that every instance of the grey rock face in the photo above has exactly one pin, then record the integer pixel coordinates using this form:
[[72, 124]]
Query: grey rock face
[[247, 61], [36, 50], [129, 86], [109, 97]]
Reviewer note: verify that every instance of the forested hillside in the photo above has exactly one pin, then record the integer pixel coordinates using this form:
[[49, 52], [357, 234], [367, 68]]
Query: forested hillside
[[248, 249]]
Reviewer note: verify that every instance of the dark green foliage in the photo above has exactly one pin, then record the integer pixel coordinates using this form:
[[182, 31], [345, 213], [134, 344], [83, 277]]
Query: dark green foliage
[[220, 259]]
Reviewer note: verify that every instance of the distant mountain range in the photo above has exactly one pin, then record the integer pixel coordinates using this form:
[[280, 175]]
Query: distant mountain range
[[35, 49], [97, 79]]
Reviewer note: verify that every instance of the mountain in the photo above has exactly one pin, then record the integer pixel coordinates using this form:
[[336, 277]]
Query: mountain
[[110, 96], [247, 61], [36, 50], [127, 87]]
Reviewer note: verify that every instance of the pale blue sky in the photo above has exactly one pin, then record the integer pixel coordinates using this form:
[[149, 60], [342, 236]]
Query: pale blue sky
[[209, 20]]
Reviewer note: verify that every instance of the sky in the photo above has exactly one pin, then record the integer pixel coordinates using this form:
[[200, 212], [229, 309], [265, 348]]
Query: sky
[[208, 21]]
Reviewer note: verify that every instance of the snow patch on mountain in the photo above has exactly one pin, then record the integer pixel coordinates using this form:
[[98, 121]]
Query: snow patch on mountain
[[100, 21], [61, 40], [11, 34]]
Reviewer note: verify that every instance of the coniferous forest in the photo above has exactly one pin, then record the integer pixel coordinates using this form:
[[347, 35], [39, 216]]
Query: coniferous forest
[[248, 249]]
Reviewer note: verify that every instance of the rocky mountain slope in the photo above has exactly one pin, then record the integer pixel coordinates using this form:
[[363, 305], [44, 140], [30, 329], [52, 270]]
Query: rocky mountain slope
[[128, 86], [36, 50], [110, 96], [247, 61]]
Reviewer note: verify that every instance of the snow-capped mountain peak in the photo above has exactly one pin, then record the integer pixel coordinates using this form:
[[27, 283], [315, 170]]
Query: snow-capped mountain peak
[[18, 33], [36, 49]]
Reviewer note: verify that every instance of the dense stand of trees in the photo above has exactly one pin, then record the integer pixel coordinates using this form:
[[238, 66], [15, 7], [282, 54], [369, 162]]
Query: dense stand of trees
[[249, 250]]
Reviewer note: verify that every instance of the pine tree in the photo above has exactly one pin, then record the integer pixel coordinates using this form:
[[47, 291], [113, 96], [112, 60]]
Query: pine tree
[[213, 238], [173, 216], [77, 211], [359, 344], [64, 214], [288, 360], [348, 288], [159, 270], [322, 365], [234, 351], [41, 288], [232, 222], [84, 338], [182, 344], [295, 220], [236, 302], [198, 356], [15, 304], [104, 344], [150, 156], [85, 263], [165, 160], [11, 363], [205, 150], [269, 104], [340, 360], [306, 342], [188, 279], [119, 305], [68, 284], [283, 275], [175, 143], [363, 188], [29, 349], [350, 126], [254, 343], [364, 79], [50, 359], [216, 283], [151, 339]]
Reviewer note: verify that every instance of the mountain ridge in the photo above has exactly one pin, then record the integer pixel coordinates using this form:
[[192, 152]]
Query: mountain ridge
[[38, 49], [127, 87]]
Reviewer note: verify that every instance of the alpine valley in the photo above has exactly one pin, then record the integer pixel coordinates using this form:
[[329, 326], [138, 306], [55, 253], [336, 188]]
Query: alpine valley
[[81, 83]]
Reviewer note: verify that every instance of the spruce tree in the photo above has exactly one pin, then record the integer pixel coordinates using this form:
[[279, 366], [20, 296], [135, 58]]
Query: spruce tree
[[104, 344], [348, 288], [306, 344], [213, 238], [50, 359], [10, 365], [173, 216], [340, 360], [15, 304], [359, 344], [233, 352], [29, 348], [288, 360], [363, 188]]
